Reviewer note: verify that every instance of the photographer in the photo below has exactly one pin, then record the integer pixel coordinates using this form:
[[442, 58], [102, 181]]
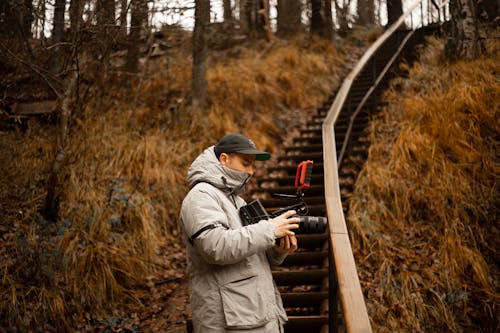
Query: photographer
[[231, 285]]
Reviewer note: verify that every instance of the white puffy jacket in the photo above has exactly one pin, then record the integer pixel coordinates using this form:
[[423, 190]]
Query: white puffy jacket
[[231, 286]]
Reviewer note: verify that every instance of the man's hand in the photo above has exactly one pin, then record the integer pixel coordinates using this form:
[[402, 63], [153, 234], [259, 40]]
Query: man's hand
[[286, 245], [284, 224]]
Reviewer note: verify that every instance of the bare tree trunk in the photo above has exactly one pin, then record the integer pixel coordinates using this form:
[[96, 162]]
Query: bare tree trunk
[[366, 12], [75, 16], [321, 18], [243, 19], [26, 18], [123, 18], [51, 208], [228, 12], [57, 61], [264, 19], [289, 17], [106, 12], [106, 33], [199, 80], [255, 12], [463, 41], [317, 22], [58, 25], [394, 11], [39, 19], [327, 15], [138, 12], [16, 18], [251, 16], [8, 20], [342, 10]]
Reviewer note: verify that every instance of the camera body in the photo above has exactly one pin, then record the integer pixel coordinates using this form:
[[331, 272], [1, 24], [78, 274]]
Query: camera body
[[255, 211]]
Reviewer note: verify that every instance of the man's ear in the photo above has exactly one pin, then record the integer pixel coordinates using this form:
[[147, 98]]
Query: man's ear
[[223, 158]]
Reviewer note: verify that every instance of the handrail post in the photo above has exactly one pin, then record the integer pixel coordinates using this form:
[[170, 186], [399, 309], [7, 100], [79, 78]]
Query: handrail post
[[333, 292]]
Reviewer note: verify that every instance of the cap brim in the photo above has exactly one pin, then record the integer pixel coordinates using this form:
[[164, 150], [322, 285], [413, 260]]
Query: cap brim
[[259, 155]]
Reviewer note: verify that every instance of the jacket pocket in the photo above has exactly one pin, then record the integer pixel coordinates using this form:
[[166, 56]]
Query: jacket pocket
[[244, 304]]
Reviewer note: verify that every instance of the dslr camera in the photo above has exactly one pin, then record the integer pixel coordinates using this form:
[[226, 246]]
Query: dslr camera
[[255, 211]]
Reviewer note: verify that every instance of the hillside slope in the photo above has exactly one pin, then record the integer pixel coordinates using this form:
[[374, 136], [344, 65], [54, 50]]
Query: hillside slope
[[424, 214], [113, 260]]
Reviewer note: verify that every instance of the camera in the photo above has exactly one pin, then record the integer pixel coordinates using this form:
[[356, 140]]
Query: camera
[[255, 211]]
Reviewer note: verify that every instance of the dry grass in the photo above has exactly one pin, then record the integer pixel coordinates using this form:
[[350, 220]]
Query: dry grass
[[424, 215], [122, 188]]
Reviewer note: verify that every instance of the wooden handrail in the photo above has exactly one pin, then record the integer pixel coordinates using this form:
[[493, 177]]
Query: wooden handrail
[[353, 304], [367, 95]]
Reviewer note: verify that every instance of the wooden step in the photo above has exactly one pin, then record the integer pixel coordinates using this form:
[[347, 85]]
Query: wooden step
[[310, 241], [304, 298], [292, 169], [310, 200], [315, 156], [289, 179], [305, 258], [313, 190], [300, 277], [304, 148], [305, 324]]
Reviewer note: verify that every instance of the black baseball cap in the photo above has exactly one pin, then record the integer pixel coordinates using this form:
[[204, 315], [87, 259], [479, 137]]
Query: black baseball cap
[[238, 143]]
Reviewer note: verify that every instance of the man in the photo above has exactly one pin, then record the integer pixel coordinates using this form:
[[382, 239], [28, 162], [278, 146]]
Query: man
[[231, 286]]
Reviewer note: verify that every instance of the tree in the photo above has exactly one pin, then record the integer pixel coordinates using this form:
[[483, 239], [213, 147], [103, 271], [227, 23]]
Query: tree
[[288, 19], [75, 16], [58, 24], [321, 18], [57, 60], [228, 13], [317, 21], [199, 80], [123, 17], [463, 41], [342, 13], [16, 18], [139, 10], [366, 12], [105, 12], [51, 208], [254, 18], [243, 16], [327, 13], [394, 11]]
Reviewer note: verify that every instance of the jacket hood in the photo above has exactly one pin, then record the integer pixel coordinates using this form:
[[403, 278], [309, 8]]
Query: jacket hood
[[207, 168]]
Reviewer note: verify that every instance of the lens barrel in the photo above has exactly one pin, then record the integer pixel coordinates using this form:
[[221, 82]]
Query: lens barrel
[[312, 224]]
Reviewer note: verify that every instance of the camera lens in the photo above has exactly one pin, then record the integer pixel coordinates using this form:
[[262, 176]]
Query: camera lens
[[312, 224]]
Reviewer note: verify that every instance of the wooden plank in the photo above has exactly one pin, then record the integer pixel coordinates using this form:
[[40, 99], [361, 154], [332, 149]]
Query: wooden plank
[[304, 299], [297, 278], [305, 258], [302, 324], [33, 108]]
